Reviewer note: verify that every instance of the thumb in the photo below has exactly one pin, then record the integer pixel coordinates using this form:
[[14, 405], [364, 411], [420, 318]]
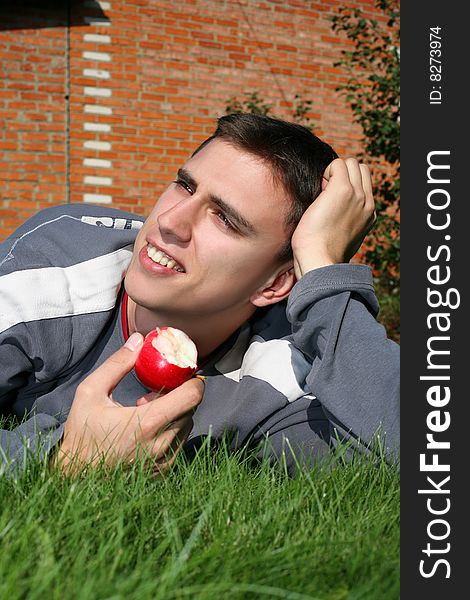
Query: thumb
[[109, 374]]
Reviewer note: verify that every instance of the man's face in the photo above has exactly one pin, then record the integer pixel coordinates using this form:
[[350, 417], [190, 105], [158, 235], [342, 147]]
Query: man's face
[[223, 222]]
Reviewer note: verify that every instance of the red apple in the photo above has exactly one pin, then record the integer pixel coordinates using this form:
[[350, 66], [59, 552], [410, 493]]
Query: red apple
[[168, 358]]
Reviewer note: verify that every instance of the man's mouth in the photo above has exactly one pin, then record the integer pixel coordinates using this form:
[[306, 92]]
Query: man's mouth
[[163, 259]]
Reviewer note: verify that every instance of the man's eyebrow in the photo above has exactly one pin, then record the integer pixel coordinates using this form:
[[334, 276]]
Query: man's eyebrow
[[187, 177], [231, 212]]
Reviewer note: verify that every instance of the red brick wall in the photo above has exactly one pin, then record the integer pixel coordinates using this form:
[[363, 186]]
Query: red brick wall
[[163, 73]]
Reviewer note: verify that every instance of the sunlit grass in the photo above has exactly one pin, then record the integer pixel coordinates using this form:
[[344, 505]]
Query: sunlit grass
[[220, 526]]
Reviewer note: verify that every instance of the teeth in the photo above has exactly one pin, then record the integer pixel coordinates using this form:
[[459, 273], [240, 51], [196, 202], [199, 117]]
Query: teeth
[[162, 259]]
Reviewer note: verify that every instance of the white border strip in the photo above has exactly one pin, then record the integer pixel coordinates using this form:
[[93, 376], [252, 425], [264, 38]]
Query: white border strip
[[99, 56], [94, 145], [101, 129], [99, 92], [96, 37], [99, 163], [98, 198], [97, 21], [97, 127], [94, 180], [94, 109], [96, 73]]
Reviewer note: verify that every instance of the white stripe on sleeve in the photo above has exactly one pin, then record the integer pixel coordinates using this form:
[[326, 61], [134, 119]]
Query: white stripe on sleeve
[[278, 363], [51, 292]]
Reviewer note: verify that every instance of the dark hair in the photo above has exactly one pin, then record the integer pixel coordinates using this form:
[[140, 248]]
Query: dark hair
[[297, 157]]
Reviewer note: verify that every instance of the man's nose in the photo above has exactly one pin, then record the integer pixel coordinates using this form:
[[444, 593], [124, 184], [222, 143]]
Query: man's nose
[[176, 222]]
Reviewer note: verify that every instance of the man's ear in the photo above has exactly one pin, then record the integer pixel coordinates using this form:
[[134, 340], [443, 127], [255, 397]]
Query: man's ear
[[276, 288]]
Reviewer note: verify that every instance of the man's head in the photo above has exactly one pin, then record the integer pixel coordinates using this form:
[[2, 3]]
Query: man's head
[[226, 222], [296, 157]]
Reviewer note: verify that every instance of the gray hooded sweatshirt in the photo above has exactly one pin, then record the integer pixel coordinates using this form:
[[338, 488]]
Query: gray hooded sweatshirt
[[294, 380]]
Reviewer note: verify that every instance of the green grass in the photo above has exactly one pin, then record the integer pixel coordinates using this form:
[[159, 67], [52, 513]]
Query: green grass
[[217, 527]]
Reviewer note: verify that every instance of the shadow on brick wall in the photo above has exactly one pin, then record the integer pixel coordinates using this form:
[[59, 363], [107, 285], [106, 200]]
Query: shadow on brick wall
[[39, 14]]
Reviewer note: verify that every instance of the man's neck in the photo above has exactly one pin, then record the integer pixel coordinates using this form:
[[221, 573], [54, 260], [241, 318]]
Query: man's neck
[[207, 332]]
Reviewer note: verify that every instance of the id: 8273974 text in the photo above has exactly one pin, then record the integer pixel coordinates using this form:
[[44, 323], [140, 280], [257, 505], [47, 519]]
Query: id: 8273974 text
[[435, 65]]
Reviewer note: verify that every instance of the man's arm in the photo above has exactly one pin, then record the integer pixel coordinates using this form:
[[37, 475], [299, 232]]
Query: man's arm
[[32, 436], [353, 382], [355, 368]]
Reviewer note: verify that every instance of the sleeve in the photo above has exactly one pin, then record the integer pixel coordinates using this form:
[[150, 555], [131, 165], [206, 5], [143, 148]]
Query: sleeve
[[20, 359], [34, 437], [30, 441], [354, 375]]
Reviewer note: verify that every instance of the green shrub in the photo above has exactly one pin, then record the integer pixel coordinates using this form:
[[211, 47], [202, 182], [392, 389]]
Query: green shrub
[[373, 92]]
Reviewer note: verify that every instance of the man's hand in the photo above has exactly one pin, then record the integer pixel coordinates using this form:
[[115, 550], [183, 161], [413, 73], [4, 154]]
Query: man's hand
[[333, 227], [100, 429]]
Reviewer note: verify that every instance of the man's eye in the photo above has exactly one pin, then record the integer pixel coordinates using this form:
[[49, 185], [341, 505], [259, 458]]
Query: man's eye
[[225, 220], [184, 185]]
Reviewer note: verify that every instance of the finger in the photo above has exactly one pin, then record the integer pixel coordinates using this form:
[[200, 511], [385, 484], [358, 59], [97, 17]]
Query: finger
[[367, 185], [355, 177], [166, 461], [336, 170], [174, 404], [354, 172], [109, 374], [174, 435]]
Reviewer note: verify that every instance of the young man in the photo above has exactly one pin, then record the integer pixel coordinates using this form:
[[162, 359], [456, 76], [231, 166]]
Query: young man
[[231, 239]]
